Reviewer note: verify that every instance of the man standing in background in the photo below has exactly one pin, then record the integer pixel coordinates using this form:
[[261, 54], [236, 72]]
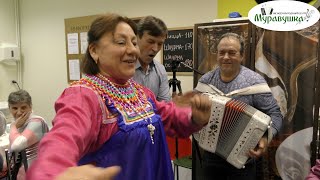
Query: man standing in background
[[232, 78], [152, 33]]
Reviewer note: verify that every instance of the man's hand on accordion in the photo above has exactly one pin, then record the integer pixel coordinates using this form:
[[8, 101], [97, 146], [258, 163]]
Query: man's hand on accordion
[[201, 109], [260, 149]]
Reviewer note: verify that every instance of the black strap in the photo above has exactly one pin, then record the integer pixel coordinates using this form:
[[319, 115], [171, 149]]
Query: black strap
[[196, 145]]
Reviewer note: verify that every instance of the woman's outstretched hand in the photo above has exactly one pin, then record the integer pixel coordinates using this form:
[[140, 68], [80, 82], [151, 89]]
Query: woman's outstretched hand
[[89, 172]]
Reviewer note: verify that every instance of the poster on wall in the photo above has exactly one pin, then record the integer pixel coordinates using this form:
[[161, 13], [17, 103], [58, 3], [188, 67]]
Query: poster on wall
[[74, 69], [72, 41]]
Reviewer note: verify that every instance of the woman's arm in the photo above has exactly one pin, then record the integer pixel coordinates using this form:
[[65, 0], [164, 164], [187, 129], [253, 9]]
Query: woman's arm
[[75, 128]]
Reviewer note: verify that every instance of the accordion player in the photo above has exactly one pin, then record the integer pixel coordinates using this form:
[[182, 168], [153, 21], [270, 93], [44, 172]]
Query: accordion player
[[234, 127]]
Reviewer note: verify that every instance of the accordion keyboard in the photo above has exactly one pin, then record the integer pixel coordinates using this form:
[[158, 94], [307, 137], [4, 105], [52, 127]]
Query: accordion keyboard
[[233, 129]]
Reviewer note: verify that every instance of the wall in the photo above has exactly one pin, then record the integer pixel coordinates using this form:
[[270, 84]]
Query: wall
[[43, 38], [7, 35]]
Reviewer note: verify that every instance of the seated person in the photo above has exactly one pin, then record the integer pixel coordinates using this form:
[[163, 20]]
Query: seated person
[[27, 129]]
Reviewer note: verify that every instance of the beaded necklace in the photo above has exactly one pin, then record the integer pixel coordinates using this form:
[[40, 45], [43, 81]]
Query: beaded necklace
[[109, 96], [129, 103]]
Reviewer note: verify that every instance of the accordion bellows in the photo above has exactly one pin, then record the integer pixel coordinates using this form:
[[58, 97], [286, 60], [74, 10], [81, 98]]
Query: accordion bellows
[[233, 129]]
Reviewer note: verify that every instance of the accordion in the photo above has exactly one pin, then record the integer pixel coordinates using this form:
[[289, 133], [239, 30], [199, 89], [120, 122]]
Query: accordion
[[233, 129]]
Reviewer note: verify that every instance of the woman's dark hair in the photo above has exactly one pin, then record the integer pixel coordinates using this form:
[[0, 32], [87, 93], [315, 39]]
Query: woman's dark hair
[[99, 27], [154, 26], [21, 96]]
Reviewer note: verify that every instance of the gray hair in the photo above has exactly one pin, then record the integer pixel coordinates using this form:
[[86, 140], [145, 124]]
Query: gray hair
[[20, 96], [236, 36]]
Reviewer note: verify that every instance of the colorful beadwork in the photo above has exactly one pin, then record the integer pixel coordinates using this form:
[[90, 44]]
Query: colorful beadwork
[[132, 102], [148, 120]]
